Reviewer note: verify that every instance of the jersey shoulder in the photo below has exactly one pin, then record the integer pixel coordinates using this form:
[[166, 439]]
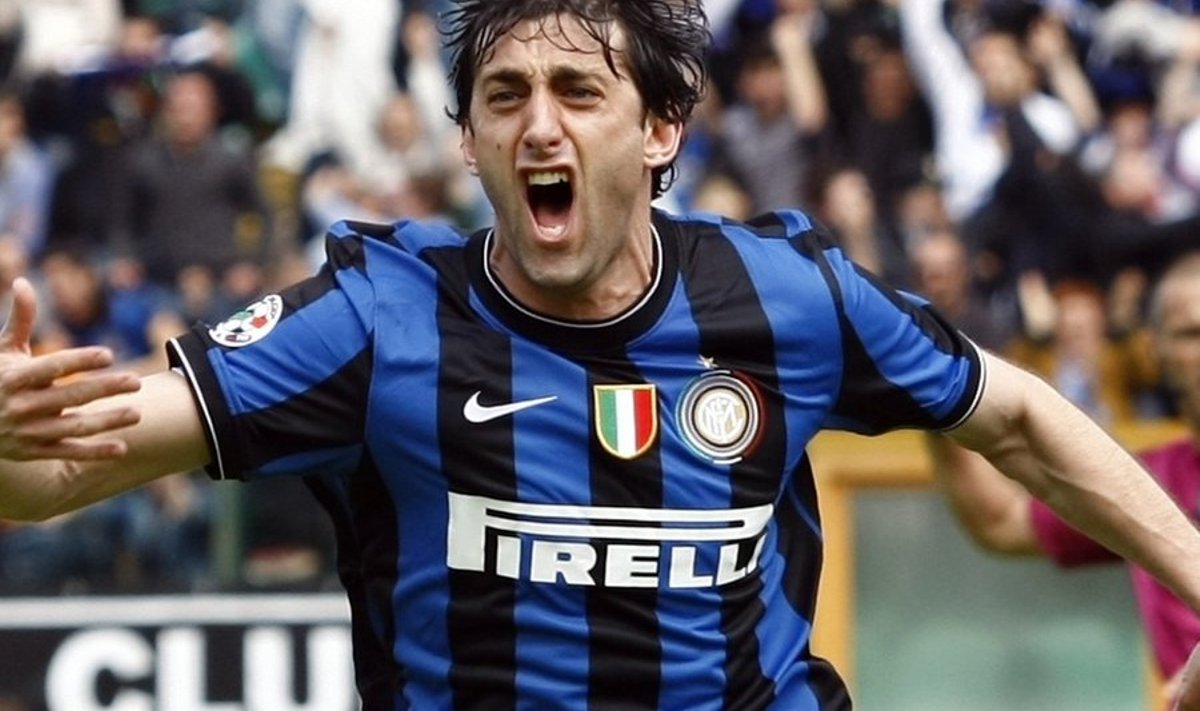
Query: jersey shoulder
[[347, 242]]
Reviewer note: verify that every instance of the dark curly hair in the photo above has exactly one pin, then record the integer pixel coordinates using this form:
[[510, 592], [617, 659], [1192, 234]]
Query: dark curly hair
[[666, 44]]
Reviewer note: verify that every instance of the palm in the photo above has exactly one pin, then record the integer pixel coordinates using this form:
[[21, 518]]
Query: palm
[[39, 394]]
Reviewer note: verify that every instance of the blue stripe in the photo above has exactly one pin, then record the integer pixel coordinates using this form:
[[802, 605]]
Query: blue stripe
[[552, 643], [783, 633], [690, 620], [417, 236], [807, 341], [304, 349], [405, 441], [796, 221], [906, 357]]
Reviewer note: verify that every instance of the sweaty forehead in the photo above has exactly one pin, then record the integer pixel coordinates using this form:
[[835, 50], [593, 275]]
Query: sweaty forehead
[[553, 44]]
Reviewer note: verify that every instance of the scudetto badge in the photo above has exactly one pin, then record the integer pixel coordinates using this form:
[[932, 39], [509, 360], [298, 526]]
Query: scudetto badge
[[720, 416], [249, 325], [626, 418]]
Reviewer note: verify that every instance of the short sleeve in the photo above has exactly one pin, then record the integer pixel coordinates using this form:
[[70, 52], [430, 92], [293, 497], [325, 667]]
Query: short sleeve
[[904, 366], [282, 384]]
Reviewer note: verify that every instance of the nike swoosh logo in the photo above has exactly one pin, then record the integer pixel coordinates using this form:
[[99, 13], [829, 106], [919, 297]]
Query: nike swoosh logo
[[474, 412]]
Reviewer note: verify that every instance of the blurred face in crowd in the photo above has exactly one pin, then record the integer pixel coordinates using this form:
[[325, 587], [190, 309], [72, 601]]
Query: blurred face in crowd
[[141, 40], [74, 289], [887, 86], [565, 150], [1176, 321], [1081, 324], [400, 125], [189, 111], [1133, 181], [1000, 63], [1131, 125], [761, 85], [941, 270]]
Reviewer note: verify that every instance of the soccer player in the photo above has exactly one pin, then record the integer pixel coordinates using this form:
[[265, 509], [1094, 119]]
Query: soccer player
[[1004, 518], [565, 456]]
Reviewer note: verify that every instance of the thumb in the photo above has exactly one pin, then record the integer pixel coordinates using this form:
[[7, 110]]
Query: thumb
[[18, 329]]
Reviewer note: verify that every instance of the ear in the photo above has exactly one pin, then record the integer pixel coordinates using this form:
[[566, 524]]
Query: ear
[[468, 150], [662, 141]]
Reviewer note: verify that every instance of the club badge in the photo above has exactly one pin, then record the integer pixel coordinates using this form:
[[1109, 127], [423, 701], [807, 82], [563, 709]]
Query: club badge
[[626, 418], [249, 325], [720, 416]]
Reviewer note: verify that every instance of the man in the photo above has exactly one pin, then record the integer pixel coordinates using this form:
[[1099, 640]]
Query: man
[[1004, 518], [186, 199], [565, 456]]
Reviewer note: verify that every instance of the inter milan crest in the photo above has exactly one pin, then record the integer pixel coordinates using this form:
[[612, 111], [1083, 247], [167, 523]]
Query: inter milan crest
[[249, 325], [626, 418], [720, 416]]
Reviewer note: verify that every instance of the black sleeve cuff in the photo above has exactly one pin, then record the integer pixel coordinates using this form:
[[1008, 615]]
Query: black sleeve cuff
[[189, 355]]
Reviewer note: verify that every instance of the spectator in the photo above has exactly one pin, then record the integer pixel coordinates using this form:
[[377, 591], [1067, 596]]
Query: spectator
[[1067, 341], [970, 94], [942, 273], [766, 140], [91, 118], [882, 124], [26, 181], [845, 203], [341, 80], [187, 199], [64, 36]]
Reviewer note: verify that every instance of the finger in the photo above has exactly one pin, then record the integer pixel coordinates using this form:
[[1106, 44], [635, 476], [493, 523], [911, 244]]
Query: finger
[[78, 450], [26, 404], [43, 370], [48, 430], [18, 329]]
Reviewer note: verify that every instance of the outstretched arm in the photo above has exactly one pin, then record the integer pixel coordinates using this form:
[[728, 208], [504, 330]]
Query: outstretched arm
[[73, 433], [1033, 435], [993, 509]]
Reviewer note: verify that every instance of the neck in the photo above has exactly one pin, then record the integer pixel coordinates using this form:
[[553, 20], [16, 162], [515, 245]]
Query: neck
[[619, 285]]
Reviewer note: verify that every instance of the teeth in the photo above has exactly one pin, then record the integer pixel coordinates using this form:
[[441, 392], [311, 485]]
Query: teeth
[[548, 178]]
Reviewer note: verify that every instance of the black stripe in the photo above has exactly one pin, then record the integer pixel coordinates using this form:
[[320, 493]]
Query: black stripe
[[767, 225], [801, 549], [364, 521], [866, 396], [231, 456], [735, 332], [625, 660], [328, 415], [945, 337], [189, 352], [482, 629]]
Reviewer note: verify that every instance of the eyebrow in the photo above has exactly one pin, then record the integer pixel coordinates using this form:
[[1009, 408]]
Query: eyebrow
[[565, 72]]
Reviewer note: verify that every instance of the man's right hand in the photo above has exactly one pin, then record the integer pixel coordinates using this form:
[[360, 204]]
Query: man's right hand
[[41, 396]]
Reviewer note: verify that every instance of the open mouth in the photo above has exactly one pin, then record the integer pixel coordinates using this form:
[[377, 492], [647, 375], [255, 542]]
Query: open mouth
[[550, 197]]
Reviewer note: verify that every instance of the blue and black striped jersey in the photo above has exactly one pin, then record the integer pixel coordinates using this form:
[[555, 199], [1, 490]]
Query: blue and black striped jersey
[[535, 513]]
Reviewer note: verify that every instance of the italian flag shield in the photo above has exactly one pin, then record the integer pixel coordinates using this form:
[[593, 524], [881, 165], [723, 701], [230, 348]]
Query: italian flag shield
[[626, 418]]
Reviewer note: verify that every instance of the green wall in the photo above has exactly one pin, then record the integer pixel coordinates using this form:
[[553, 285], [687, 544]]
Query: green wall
[[942, 625]]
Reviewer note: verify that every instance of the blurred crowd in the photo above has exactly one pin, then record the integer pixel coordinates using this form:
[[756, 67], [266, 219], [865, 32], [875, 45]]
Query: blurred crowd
[[1028, 166]]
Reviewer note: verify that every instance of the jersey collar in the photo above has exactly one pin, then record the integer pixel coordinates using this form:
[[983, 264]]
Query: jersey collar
[[569, 334]]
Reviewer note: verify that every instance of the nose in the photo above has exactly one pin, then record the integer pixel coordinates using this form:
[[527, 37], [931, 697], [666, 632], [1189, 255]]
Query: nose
[[543, 128]]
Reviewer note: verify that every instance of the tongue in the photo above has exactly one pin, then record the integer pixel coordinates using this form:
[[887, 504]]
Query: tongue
[[551, 214]]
